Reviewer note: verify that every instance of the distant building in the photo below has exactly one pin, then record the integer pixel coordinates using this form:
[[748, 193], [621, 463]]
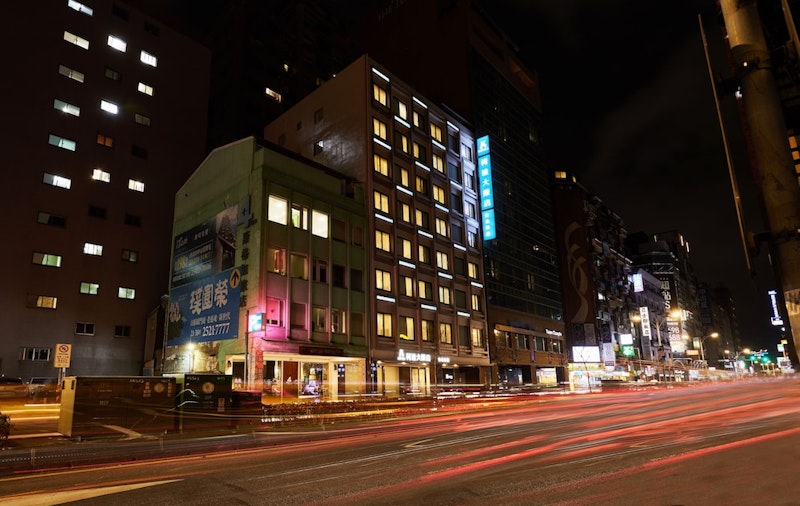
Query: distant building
[[105, 117], [268, 275], [417, 165]]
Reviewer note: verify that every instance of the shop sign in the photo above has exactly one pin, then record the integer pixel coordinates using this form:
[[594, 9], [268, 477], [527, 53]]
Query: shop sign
[[409, 356]]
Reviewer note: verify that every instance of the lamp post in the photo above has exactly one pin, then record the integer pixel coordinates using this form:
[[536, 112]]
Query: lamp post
[[713, 335]]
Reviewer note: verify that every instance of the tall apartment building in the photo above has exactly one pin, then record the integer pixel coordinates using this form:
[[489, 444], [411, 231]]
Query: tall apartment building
[[418, 165], [105, 119], [456, 55], [267, 277]]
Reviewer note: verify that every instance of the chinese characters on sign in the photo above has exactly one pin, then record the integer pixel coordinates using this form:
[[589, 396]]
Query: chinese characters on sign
[[485, 188], [205, 310]]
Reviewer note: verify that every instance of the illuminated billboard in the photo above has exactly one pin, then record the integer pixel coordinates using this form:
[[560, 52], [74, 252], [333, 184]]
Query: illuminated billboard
[[485, 188]]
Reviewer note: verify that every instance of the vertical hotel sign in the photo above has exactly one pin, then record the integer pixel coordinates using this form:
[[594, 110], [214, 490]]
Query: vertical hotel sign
[[485, 185]]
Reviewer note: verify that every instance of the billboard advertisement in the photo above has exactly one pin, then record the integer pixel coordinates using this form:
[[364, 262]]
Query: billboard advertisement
[[206, 249]]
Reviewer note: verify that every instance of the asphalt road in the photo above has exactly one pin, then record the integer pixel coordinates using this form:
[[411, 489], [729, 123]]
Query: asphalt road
[[730, 443]]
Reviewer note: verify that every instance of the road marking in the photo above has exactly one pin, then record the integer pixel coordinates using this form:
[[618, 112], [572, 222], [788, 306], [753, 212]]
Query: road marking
[[61, 497]]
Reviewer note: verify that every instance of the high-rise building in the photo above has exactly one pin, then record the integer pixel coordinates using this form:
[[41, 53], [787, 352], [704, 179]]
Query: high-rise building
[[418, 165], [105, 118]]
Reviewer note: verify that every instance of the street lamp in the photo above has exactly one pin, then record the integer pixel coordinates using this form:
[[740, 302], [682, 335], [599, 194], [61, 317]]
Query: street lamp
[[713, 335]]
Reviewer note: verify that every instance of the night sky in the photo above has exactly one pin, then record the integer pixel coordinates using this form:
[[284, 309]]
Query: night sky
[[628, 108]]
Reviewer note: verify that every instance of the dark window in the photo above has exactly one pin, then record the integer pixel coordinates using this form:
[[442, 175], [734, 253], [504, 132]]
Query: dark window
[[97, 212], [338, 228], [151, 28], [357, 280], [318, 115], [113, 74], [83, 328], [52, 219], [122, 331], [463, 335], [139, 151], [130, 256], [337, 276], [120, 12], [461, 299], [133, 220]]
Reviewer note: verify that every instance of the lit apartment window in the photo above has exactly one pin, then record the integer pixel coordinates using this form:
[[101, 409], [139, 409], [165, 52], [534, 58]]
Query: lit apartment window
[[384, 325], [277, 209], [274, 95], [109, 107], [51, 219], [378, 94], [378, 128], [62, 142], [71, 73], [130, 256], [422, 185], [72, 4], [338, 321], [404, 177], [42, 301], [438, 163], [117, 43], [442, 260], [319, 316], [405, 248], [442, 228], [405, 326], [425, 290], [84, 329], [298, 266], [137, 186], [105, 140], [422, 219], [381, 201], [145, 88], [407, 286], [476, 302], [92, 249], [424, 254], [426, 330], [89, 288], [444, 296], [446, 333], [477, 338], [472, 238], [59, 181], [148, 59], [142, 119], [101, 175], [404, 212], [439, 195], [299, 216], [122, 331], [470, 210], [382, 241], [46, 259], [419, 152], [401, 142], [126, 293], [381, 164], [400, 109], [319, 224], [436, 132], [418, 119], [383, 280], [67, 108], [273, 314], [74, 39], [472, 270]]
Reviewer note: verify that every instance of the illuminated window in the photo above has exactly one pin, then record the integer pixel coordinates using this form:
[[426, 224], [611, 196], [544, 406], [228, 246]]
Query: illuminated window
[[92, 249], [84, 329], [117, 43], [446, 333], [299, 216], [404, 212], [405, 326], [381, 164], [419, 152], [277, 210], [407, 286], [59, 181], [379, 94], [51, 219], [418, 119], [298, 266], [424, 254], [472, 238], [426, 330], [319, 224], [405, 248], [105, 140], [46, 259], [62, 142], [124, 292], [71, 73], [319, 319], [145, 88], [422, 219], [109, 107], [472, 270], [76, 40], [442, 228], [404, 177], [338, 321], [444, 296], [274, 95], [442, 260], [475, 302], [384, 325], [381, 201], [276, 260], [477, 338], [142, 119], [89, 288], [148, 59], [425, 290], [130, 256], [137, 186], [72, 4], [101, 175], [422, 185], [400, 109], [438, 163], [42, 301], [67, 108], [383, 280], [436, 132], [378, 128], [383, 241], [401, 142], [439, 194]]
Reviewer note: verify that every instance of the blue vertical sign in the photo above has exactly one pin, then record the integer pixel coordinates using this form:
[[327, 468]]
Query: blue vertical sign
[[485, 188]]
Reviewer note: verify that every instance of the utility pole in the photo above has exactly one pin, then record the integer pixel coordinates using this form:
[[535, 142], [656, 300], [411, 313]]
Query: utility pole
[[774, 169]]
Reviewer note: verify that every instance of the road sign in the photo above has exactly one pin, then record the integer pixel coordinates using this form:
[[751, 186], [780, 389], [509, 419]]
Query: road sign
[[62, 355]]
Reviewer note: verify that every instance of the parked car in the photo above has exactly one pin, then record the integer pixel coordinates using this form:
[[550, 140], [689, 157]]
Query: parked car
[[42, 388], [12, 387]]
